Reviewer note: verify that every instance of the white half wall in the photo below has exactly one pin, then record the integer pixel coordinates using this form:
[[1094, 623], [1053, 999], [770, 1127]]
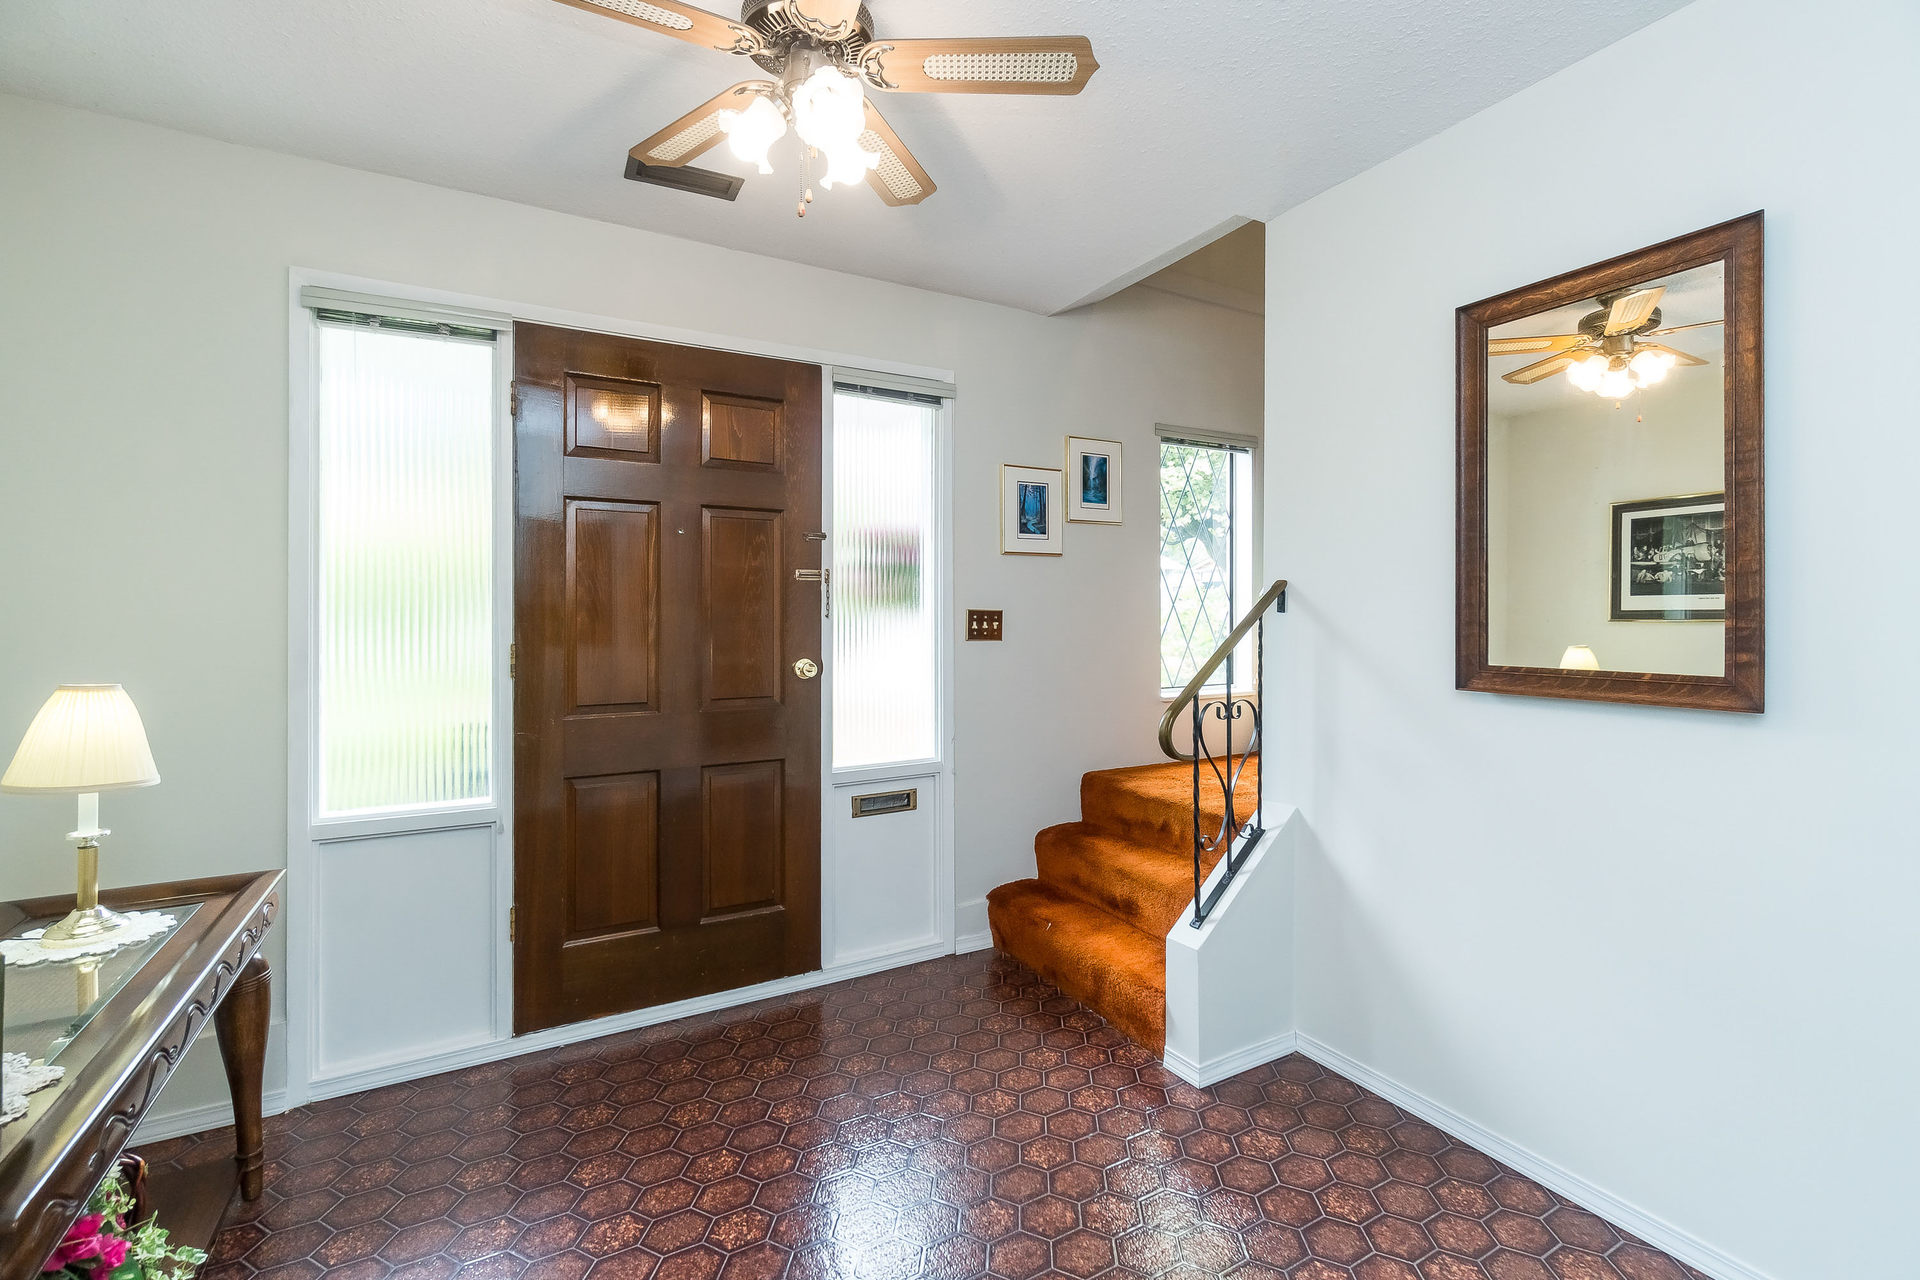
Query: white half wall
[[1671, 951], [1230, 982], [144, 477]]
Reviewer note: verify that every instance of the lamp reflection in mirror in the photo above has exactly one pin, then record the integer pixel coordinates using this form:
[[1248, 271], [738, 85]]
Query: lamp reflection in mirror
[[1579, 658], [86, 739]]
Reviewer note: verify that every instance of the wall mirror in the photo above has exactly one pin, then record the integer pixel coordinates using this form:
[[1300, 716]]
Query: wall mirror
[[1611, 531]]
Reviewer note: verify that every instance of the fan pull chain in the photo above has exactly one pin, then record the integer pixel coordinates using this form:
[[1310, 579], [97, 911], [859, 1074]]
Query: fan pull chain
[[806, 180]]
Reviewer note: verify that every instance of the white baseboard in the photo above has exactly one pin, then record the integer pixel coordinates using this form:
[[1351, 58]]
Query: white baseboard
[[973, 942], [378, 1075], [1254, 1055], [1657, 1232], [161, 1125]]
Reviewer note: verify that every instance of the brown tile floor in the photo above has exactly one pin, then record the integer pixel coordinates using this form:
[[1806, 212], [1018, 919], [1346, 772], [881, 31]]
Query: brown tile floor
[[957, 1118]]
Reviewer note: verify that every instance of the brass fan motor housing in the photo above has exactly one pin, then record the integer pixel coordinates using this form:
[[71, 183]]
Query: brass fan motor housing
[[782, 31], [1594, 323]]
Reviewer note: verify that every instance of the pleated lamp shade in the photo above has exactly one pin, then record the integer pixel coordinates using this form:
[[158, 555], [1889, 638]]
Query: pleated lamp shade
[[88, 737]]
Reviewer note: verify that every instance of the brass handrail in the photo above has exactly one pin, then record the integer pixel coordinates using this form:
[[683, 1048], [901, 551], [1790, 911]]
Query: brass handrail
[[1277, 593]]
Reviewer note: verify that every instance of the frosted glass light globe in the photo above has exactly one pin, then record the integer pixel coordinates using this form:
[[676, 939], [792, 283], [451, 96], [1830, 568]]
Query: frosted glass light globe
[[830, 114], [752, 133], [1650, 367]]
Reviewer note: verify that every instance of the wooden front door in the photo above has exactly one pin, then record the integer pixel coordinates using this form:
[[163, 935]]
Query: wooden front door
[[666, 749]]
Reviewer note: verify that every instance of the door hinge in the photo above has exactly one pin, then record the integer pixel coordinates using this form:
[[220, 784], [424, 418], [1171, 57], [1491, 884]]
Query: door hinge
[[512, 923], [513, 400], [513, 660]]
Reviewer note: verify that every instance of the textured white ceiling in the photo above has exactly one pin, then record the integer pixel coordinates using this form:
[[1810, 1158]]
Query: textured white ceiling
[[1244, 109]]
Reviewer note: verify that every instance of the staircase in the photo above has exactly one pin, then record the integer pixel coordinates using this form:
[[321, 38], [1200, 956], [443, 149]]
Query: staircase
[[1094, 922]]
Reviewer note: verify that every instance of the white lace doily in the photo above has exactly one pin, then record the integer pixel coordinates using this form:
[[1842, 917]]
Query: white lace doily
[[28, 949], [18, 1078]]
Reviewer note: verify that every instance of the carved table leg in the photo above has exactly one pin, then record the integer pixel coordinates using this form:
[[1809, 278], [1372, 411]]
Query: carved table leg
[[241, 1022]]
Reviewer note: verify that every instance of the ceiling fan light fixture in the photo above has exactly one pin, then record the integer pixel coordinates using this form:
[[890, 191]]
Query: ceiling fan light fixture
[[1650, 367], [830, 114], [751, 133], [1586, 374], [1615, 384]]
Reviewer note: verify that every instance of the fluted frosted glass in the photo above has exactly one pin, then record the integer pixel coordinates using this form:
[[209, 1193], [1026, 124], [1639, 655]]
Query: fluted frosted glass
[[405, 464], [884, 675]]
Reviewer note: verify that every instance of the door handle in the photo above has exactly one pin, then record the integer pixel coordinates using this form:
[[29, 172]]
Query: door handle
[[806, 668]]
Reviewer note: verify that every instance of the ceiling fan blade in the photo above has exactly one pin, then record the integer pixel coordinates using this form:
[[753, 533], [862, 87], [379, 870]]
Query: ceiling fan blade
[[828, 19], [1527, 346], [899, 179], [1682, 328], [1680, 357], [695, 133], [1540, 369], [682, 21], [1020, 64], [1631, 312]]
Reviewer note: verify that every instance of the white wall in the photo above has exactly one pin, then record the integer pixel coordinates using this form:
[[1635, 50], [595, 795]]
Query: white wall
[[1700, 997], [1552, 479], [143, 477]]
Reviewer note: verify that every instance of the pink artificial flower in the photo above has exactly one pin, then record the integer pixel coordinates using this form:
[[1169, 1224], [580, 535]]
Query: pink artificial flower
[[79, 1242], [85, 1240]]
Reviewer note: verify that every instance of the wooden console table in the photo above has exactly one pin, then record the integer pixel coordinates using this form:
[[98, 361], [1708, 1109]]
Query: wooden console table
[[134, 1015]]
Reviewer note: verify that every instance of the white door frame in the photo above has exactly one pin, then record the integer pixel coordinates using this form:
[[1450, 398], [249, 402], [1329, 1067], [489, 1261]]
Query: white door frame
[[303, 841]]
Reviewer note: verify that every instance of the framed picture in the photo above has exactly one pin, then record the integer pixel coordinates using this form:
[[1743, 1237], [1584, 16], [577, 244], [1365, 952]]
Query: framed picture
[[1030, 508], [1670, 559], [1093, 481]]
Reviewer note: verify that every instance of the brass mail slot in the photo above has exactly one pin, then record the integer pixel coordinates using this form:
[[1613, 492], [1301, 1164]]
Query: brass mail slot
[[872, 806]]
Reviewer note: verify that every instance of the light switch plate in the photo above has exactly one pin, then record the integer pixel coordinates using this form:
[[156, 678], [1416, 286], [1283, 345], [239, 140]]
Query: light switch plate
[[983, 624]]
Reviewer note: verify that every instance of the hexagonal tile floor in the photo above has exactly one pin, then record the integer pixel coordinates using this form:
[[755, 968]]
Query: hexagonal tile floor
[[953, 1119]]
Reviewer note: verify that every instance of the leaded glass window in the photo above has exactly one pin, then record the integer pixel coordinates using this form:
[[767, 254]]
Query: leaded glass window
[[1206, 552]]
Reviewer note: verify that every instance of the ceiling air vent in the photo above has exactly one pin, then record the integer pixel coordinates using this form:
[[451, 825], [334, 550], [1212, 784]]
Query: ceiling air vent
[[701, 182]]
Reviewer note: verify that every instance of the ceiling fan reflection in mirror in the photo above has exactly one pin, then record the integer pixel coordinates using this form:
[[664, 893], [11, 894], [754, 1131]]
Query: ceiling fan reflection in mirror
[[1612, 356], [822, 56]]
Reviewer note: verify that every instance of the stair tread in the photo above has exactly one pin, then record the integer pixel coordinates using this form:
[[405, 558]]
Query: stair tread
[[1152, 804], [1146, 886], [1103, 962]]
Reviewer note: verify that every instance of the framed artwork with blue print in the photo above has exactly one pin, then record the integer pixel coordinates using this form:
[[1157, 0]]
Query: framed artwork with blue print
[[1031, 500], [1093, 480]]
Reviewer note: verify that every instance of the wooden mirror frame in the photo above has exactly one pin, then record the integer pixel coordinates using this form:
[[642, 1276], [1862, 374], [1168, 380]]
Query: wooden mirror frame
[[1741, 687]]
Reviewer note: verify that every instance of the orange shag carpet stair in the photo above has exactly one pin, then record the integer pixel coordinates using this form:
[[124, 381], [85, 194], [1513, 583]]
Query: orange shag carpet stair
[[1094, 922]]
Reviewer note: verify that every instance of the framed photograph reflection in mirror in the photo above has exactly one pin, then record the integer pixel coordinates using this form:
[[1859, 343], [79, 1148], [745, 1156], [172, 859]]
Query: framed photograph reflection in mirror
[[1580, 399]]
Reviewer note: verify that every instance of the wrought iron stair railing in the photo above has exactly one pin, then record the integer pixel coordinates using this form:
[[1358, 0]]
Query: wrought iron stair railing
[[1236, 835]]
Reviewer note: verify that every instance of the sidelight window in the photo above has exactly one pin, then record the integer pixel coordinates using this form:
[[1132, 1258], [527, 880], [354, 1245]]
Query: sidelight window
[[885, 558], [403, 475]]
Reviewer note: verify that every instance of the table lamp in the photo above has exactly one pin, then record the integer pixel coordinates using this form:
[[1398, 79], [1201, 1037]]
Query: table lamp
[[1579, 658], [87, 739]]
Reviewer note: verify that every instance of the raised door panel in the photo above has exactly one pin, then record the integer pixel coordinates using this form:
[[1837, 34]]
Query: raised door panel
[[613, 837], [613, 602], [741, 552], [743, 832], [740, 432], [612, 418]]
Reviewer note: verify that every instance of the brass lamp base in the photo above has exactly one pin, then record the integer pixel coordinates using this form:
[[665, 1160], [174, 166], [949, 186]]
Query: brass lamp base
[[88, 923]]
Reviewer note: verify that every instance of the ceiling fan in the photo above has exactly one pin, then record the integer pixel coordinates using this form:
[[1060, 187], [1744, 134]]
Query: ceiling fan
[[820, 54], [1611, 356]]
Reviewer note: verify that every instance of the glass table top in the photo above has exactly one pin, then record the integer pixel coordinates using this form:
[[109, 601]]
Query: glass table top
[[44, 1006]]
